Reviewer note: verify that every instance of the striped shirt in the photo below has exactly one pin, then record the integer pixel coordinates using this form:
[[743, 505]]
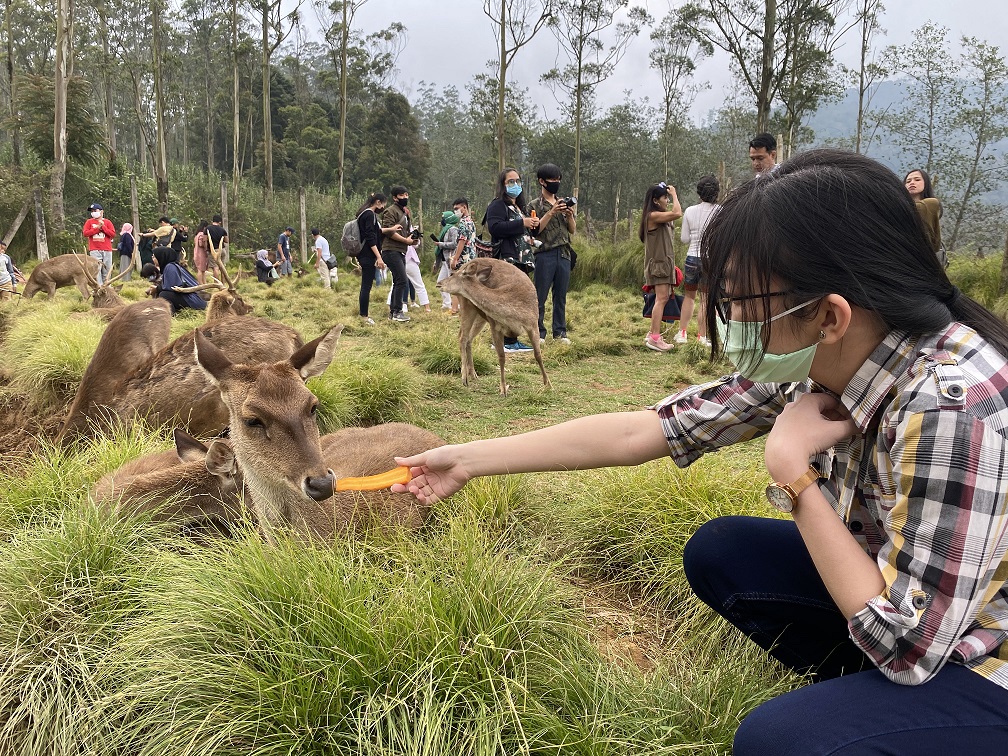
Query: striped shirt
[[922, 488]]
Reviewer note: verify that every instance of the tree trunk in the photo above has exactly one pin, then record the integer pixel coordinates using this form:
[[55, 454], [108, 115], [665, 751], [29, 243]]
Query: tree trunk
[[41, 240], [235, 169], [303, 216], [226, 255], [12, 87], [578, 106], [501, 84], [161, 150], [865, 27], [267, 120], [22, 214], [135, 216], [345, 39], [64, 70], [764, 96]]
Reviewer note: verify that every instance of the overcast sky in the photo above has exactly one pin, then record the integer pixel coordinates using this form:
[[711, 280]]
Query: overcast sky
[[449, 41]]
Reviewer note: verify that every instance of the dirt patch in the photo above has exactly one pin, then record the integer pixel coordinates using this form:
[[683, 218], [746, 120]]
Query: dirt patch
[[626, 629], [22, 427]]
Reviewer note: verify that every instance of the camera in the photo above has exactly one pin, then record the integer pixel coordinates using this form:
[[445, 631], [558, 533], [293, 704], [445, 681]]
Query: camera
[[569, 201], [415, 235]]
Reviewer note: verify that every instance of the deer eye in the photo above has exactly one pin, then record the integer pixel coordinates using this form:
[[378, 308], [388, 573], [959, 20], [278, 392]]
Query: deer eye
[[254, 422], [314, 410]]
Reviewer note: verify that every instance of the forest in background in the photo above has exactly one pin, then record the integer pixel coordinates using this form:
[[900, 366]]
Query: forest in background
[[181, 94]]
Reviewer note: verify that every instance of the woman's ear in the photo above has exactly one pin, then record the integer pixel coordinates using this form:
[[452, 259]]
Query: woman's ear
[[834, 318]]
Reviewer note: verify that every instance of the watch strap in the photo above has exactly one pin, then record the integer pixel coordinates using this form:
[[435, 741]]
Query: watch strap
[[795, 489]]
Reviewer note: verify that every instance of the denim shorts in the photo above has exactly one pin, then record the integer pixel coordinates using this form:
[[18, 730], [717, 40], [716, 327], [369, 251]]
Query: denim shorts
[[693, 273]]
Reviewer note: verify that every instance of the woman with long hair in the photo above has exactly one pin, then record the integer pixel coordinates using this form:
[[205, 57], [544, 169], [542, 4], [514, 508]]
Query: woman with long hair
[[918, 185], [656, 226], [201, 252], [370, 257], [882, 393], [509, 227]]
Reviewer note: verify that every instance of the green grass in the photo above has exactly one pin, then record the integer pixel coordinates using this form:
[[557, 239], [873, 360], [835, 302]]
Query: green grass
[[471, 636]]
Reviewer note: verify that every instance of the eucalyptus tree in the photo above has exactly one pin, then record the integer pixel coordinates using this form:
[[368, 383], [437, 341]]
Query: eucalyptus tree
[[868, 14], [675, 55], [593, 42], [63, 72], [276, 25], [517, 22]]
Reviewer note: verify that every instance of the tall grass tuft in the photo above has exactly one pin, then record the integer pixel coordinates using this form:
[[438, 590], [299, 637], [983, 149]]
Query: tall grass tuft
[[69, 590], [366, 391], [45, 359], [455, 646], [439, 353], [629, 524]]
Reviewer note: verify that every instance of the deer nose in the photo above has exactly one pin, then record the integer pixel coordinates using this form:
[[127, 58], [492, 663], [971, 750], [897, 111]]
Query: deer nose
[[319, 488]]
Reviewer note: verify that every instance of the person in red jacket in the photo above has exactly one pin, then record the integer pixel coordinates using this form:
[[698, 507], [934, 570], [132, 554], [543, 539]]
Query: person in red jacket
[[99, 231]]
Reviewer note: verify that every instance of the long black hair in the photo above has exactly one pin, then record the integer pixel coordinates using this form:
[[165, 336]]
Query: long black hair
[[831, 221], [371, 199], [651, 197], [928, 192], [500, 190]]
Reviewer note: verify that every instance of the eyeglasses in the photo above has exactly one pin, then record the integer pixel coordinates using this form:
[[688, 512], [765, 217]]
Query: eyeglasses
[[513, 182], [722, 304]]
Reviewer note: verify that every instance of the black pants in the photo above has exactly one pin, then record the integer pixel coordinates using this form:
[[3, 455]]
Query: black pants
[[367, 262], [552, 272], [396, 264]]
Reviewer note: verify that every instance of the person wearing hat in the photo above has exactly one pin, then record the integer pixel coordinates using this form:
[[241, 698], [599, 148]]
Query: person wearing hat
[[99, 232], [181, 235], [283, 252], [164, 235]]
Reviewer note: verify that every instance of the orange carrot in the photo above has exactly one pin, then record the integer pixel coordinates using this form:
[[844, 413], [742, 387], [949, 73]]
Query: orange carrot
[[375, 482]]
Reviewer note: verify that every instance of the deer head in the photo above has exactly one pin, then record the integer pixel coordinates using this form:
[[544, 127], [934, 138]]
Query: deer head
[[273, 425], [105, 294], [236, 304]]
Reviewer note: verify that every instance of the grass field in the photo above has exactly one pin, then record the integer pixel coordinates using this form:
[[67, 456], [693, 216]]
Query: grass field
[[538, 614]]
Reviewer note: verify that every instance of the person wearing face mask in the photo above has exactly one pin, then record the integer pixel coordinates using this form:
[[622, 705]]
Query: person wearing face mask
[[395, 226], [880, 391], [509, 228], [554, 255], [99, 232]]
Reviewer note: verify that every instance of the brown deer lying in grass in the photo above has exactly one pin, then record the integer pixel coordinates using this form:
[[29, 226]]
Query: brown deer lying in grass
[[288, 469], [136, 373], [60, 271], [193, 481], [494, 292]]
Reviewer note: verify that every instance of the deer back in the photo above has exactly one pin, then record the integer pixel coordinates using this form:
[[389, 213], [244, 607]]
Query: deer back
[[62, 270], [132, 338], [355, 452], [499, 290]]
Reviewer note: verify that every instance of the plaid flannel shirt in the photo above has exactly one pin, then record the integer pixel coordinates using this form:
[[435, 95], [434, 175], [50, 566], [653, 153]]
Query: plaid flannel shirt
[[922, 488]]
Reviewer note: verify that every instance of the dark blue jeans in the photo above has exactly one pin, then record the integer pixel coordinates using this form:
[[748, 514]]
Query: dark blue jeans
[[367, 261], [758, 575], [552, 272], [396, 264]]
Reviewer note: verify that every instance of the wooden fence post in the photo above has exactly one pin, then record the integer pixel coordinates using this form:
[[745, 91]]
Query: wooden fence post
[[226, 253], [615, 222], [304, 225], [41, 242]]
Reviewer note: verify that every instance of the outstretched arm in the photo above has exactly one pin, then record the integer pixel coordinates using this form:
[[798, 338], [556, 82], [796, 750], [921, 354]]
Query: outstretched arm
[[607, 440]]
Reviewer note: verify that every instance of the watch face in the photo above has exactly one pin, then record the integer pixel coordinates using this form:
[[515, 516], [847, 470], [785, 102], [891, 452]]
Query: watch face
[[779, 498]]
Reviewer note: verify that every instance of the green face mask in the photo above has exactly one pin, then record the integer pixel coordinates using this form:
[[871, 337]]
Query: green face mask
[[743, 347]]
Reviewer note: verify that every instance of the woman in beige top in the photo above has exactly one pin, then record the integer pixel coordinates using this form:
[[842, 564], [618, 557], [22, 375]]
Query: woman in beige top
[[661, 210]]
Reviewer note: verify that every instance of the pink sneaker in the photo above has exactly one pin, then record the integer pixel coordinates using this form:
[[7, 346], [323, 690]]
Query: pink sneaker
[[656, 342]]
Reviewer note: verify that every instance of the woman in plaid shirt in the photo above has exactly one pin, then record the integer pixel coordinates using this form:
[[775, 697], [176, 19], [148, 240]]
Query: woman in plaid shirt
[[882, 392]]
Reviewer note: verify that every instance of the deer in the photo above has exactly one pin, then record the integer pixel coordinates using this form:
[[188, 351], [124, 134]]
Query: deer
[[289, 470], [60, 271], [494, 292], [192, 482], [225, 301], [136, 372], [105, 299]]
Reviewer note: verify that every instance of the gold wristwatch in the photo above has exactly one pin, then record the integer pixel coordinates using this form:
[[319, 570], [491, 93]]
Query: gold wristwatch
[[784, 496]]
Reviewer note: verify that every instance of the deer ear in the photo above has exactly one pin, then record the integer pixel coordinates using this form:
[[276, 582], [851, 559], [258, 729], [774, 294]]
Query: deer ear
[[210, 358], [189, 449], [484, 273], [220, 459], [314, 357]]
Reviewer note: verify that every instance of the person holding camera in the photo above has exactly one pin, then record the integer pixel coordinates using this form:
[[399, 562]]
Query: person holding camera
[[509, 228], [395, 226], [553, 256]]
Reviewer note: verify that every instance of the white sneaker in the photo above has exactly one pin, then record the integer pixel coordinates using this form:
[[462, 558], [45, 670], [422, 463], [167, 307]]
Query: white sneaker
[[680, 337], [367, 321], [704, 341]]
